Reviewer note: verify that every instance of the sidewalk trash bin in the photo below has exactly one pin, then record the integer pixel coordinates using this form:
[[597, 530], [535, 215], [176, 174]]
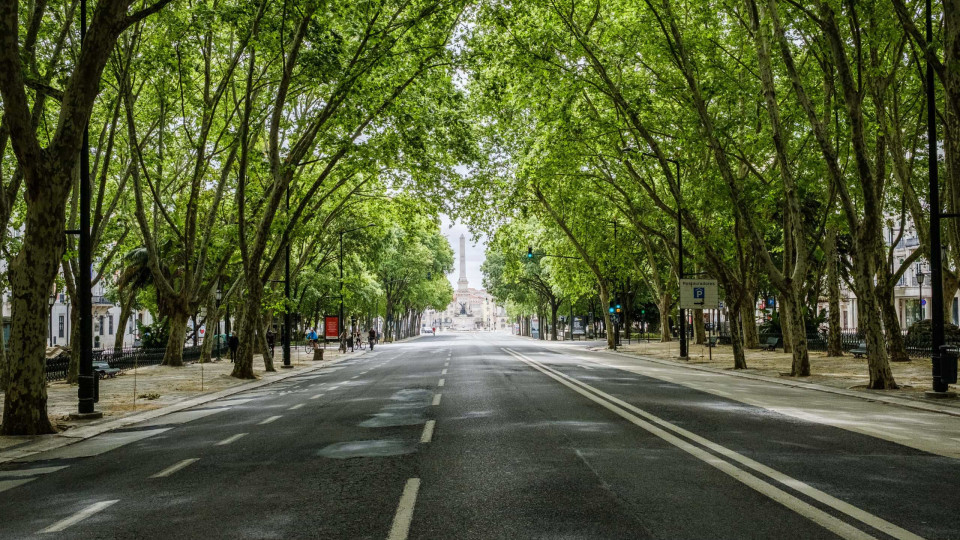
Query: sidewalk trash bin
[[948, 364]]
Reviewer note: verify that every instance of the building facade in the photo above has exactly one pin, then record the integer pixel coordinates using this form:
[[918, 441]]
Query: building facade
[[470, 308]]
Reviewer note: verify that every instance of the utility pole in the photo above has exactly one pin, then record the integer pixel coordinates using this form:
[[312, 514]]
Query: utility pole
[[944, 360], [86, 391], [286, 296]]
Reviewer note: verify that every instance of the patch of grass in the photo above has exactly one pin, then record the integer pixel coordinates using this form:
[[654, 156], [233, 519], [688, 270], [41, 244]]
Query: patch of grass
[[149, 395]]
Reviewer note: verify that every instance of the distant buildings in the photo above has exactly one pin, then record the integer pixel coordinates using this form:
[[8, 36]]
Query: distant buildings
[[470, 309]]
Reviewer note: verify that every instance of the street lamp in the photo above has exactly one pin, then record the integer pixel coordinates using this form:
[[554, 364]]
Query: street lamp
[[920, 277], [219, 298], [678, 199], [50, 302]]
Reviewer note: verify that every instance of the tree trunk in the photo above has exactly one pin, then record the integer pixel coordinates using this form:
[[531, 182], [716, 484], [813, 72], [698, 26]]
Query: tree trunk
[[249, 320], [605, 301], [733, 315], [32, 271], [881, 377], [800, 367], [896, 347], [264, 347], [664, 307], [751, 336], [699, 330], [834, 341], [173, 356], [126, 306], [554, 306], [787, 331]]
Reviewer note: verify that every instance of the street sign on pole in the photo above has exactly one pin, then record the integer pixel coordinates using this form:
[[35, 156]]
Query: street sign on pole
[[698, 294]]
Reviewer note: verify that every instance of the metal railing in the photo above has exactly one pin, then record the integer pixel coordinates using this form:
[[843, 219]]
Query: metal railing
[[127, 358]]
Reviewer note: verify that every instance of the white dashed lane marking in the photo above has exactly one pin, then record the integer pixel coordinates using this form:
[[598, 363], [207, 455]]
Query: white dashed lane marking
[[440, 384], [231, 439], [404, 515], [318, 396], [268, 420], [444, 372], [176, 467], [436, 399], [427, 435], [78, 517], [295, 407]]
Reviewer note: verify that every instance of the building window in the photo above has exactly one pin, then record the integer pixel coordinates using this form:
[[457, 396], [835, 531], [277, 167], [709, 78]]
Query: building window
[[61, 326], [110, 318], [101, 325]]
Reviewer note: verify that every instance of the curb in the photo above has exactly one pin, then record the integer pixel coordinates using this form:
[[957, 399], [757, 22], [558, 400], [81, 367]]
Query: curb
[[889, 400], [76, 435]]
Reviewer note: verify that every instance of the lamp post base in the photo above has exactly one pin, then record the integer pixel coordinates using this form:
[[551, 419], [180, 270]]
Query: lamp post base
[[86, 416], [930, 394], [285, 366]]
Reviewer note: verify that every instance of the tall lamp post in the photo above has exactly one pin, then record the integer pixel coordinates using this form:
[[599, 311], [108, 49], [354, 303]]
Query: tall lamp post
[[944, 362], [678, 200], [219, 337], [50, 302], [920, 277], [85, 390]]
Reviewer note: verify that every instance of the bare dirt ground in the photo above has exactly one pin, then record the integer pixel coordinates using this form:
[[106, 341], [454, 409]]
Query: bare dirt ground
[[153, 387], [848, 372]]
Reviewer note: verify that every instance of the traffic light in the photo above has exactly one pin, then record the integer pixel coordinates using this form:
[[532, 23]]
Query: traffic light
[[618, 308], [530, 252]]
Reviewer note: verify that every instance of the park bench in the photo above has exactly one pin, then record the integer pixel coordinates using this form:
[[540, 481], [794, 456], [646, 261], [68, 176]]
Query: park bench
[[860, 351], [771, 343]]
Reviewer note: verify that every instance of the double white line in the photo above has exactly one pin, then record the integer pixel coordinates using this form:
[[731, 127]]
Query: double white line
[[682, 438]]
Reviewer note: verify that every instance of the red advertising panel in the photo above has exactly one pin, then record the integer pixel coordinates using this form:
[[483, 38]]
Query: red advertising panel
[[331, 328]]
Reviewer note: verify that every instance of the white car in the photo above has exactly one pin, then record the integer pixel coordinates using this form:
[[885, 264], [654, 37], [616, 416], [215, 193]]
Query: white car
[[426, 330]]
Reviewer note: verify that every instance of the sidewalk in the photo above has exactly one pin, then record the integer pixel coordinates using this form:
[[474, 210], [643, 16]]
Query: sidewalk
[[150, 392], [846, 374]]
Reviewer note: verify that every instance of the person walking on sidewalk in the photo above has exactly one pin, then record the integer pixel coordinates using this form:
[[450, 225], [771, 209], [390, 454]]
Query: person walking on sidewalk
[[371, 337], [234, 344], [271, 340]]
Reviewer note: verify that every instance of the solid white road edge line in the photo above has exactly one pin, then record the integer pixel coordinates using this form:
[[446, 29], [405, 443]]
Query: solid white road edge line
[[176, 467], [268, 420], [814, 514], [404, 515], [428, 431], [436, 399], [230, 439], [78, 517]]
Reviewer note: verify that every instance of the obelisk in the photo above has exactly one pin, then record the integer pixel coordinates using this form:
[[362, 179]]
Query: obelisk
[[462, 282]]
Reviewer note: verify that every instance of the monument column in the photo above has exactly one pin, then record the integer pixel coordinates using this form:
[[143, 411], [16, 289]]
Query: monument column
[[462, 282]]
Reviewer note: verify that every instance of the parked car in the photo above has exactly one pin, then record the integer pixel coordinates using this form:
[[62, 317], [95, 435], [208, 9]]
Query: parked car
[[103, 370]]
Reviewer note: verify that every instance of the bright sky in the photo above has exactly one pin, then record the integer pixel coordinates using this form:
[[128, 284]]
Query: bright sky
[[475, 255]]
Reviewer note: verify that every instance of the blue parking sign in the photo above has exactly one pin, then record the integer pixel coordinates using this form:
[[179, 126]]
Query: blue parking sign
[[699, 292]]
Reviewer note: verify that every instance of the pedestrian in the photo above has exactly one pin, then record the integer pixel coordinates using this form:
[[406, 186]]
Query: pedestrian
[[271, 340], [371, 337], [234, 344], [314, 338]]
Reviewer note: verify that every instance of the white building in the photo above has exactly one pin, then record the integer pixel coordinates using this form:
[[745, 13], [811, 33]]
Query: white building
[[470, 309]]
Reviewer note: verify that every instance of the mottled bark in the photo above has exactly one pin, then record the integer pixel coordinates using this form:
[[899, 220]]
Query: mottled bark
[[699, 329], [173, 355], [733, 315], [834, 341], [663, 305]]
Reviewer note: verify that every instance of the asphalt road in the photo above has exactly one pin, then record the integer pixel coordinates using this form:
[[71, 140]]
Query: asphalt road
[[479, 436]]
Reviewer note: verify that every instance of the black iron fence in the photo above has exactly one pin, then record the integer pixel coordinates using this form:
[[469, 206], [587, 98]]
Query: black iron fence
[[917, 347], [128, 358]]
